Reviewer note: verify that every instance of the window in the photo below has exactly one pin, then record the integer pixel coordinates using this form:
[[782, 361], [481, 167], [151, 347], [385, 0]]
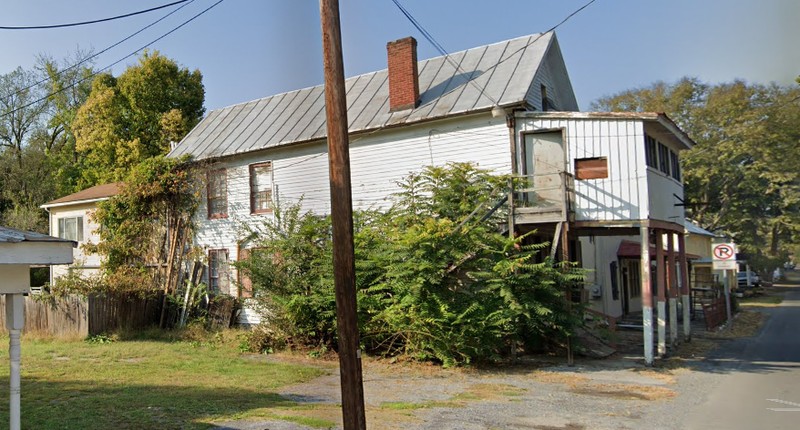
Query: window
[[261, 188], [591, 168], [650, 154], [663, 158], [217, 194], [676, 165], [71, 228], [218, 278]]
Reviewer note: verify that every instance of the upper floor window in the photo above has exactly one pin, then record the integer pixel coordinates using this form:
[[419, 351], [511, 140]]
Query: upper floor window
[[675, 165], [217, 194], [261, 188], [71, 228], [663, 158], [650, 154], [659, 156]]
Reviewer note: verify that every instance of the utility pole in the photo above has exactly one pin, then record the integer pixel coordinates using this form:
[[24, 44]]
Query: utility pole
[[344, 269]]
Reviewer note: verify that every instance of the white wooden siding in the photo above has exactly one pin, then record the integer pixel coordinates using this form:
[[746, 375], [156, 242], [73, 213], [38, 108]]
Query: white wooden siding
[[378, 161], [663, 190], [621, 196], [88, 263]]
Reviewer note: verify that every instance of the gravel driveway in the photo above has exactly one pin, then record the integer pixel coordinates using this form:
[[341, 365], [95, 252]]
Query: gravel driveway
[[617, 393]]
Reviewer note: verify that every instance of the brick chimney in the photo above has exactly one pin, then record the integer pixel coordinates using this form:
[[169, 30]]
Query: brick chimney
[[403, 76]]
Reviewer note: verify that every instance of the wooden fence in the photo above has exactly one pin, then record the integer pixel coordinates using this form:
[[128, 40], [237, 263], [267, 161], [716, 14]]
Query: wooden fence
[[75, 316], [715, 313]]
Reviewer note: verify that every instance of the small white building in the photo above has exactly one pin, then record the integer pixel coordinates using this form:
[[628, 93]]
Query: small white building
[[71, 218]]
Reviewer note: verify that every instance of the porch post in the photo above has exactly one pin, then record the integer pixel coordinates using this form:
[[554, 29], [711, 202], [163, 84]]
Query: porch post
[[672, 283], [647, 294], [660, 291], [684, 277]]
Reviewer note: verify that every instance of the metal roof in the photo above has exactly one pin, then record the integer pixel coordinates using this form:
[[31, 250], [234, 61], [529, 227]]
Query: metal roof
[[11, 235], [486, 76], [99, 192], [693, 228]]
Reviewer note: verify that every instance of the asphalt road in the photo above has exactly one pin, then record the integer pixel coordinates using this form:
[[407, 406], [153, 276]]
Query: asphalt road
[[760, 383]]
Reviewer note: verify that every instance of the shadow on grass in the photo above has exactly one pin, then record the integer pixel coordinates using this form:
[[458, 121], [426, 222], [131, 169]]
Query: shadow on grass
[[87, 405]]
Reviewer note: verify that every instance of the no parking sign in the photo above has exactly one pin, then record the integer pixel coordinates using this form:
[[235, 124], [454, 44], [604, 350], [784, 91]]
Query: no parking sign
[[724, 256]]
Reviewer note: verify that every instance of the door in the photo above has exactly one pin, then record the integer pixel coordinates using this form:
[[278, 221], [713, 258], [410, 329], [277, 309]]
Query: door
[[631, 285], [545, 160]]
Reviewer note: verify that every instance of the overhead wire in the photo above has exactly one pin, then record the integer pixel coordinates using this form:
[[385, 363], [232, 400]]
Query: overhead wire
[[90, 57], [429, 37], [95, 21], [92, 75]]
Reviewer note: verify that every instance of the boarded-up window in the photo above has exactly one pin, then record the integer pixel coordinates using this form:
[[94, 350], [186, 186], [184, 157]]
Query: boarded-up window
[[261, 188], [591, 168], [218, 271], [217, 194]]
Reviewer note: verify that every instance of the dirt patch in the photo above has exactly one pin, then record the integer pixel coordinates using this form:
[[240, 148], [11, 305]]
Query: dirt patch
[[568, 426], [662, 375], [558, 378], [624, 391]]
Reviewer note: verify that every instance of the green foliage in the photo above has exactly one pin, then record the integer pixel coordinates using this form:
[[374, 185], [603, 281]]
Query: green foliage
[[291, 270], [436, 279], [146, 225], [741, 178], [134, 117]]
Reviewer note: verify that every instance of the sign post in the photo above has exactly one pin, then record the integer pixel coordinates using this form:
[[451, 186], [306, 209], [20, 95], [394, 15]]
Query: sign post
[[724, 258]]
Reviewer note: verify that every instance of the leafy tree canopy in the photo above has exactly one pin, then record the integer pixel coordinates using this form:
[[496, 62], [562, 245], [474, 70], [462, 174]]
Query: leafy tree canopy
[[135, 116], [741, 178]]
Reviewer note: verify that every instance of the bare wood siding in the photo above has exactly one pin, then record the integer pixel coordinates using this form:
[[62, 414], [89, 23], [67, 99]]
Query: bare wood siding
[[623, 194]]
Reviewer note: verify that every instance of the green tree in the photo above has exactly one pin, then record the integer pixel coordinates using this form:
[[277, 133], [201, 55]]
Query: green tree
[[740, 178], [147, 225], [134, 117], [436, 279]]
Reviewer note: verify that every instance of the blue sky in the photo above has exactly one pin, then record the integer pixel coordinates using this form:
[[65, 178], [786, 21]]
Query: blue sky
[[247, 49]]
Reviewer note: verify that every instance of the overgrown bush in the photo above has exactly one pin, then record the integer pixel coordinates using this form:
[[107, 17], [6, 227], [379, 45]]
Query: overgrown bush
[[436, 278]]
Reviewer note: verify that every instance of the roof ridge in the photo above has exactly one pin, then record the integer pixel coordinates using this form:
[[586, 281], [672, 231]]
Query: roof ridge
[[535, 36]]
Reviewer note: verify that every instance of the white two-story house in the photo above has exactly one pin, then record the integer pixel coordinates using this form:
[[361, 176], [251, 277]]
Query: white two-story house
[[596, 179]]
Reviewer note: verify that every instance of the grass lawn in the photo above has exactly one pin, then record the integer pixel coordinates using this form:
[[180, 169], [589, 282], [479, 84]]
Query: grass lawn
[[144, 384]]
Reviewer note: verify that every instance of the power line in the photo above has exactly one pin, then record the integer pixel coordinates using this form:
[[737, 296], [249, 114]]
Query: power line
[[95, 21], [85, 60], [80, 81]]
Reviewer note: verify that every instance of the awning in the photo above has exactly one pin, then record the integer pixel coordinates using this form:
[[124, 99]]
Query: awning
[[631, 249]]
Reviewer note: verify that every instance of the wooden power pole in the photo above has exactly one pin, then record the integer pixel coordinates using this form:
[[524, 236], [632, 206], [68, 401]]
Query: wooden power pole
[[344, 269]]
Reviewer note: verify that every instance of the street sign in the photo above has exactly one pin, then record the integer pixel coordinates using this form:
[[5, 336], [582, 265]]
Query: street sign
[[724, 256]]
